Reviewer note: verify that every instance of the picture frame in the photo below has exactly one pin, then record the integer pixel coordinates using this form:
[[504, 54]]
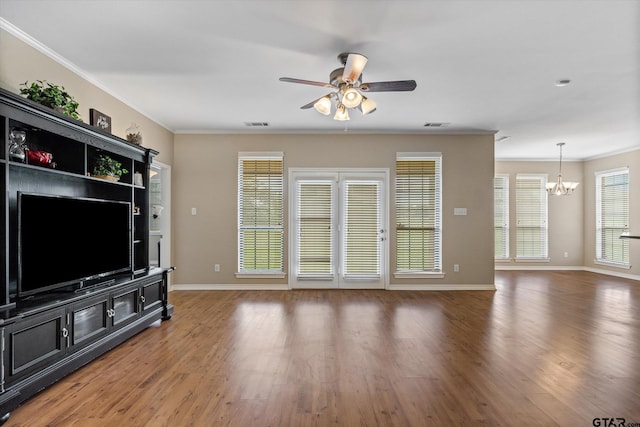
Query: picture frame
[[100, 120]]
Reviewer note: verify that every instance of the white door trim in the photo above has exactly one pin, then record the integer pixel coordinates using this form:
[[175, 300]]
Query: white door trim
[[311, 173]]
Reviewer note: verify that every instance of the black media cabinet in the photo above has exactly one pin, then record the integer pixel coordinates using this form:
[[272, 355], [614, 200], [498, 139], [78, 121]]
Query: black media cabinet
[[46, 336]]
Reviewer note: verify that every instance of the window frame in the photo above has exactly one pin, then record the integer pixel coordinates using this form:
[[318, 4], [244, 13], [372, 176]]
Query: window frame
[[503, 215], [437, 270], [623, 243], [521, 216], [259, 273]]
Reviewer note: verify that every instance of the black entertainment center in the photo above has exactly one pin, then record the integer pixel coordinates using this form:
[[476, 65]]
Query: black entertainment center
[[75, 274]]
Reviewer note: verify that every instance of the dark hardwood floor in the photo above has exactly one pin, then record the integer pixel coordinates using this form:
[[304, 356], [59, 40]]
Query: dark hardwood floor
[[546, 348]]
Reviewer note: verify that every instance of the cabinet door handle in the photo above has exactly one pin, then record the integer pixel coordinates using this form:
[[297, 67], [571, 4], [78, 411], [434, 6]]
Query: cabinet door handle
[[65, 332], [111, 312], [142, 299]]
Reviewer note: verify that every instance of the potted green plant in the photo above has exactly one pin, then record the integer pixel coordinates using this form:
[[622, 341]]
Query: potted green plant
[[108, 168], [52, 96]]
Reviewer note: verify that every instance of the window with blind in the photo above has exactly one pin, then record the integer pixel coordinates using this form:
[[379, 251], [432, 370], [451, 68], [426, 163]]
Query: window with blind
[[418, 212], [531, 217], [501, 216], [612, 217], [260, 213], [314, 231]]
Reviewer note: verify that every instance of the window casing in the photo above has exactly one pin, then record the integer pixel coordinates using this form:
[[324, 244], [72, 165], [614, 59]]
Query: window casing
[[531, 217], [260, 213], [418, 206], [501, 216], [612, 217]]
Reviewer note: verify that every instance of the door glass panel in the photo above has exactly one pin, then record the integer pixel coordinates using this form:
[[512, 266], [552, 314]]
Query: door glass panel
[[89, 321], [361, 230], [314, 229], [125, 306]]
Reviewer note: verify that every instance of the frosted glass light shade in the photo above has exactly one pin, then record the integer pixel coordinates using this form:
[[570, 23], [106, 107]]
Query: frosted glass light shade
[[561, 188], [341, 113], [368, 105], [351, 98], [323, 105]]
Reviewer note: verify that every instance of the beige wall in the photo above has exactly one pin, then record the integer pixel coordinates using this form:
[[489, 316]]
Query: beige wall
[[572, 218], [20, 62], [205, 167], [565, 214], [205, 177], [632, 161]]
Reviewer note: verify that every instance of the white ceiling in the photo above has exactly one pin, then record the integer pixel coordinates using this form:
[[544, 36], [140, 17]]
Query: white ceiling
[[212, 66]]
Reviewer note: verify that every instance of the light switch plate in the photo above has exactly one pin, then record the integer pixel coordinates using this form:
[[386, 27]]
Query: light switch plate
[[459, 211]]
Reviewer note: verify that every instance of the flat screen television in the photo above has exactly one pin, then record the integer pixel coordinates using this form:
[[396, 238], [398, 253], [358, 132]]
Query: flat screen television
[[69, 241]]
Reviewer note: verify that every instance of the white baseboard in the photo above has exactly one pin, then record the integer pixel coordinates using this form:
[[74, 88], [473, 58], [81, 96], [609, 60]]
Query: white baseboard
[[224, 287], [567, 268], [613, 273], [416, 287], [530, 267], [266, 287], [442, 287]]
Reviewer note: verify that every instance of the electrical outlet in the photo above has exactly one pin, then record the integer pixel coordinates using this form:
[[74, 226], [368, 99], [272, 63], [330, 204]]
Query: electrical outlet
[[456, 268], [216, 268]]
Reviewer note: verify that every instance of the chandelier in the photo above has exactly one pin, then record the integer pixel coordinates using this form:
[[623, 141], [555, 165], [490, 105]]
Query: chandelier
[[560, 188]]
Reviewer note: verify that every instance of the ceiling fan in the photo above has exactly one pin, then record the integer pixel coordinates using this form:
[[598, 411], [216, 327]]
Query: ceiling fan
[[348, 88]]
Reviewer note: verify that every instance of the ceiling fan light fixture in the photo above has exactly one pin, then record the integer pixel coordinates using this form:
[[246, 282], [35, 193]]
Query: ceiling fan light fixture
[[368, 105], [341, 113], [351, 97], [323, 105], [353, 66], [348, 88]]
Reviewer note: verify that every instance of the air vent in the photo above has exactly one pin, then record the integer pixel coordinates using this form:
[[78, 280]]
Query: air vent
[[435, 124], [256, 124]]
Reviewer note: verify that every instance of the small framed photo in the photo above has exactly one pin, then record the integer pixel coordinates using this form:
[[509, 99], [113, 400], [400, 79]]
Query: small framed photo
[[100, 120]]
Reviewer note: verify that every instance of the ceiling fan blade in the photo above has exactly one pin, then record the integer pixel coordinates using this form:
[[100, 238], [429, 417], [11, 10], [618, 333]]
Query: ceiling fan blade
[[306, 82], [312, 103], [353, 67], [395, 86]]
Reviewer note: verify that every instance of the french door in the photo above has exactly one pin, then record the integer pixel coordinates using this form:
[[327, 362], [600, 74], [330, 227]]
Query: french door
[[338, 229]]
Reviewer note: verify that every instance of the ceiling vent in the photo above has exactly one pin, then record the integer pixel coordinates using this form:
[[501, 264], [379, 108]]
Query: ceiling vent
[[435, 124], [256, 124]]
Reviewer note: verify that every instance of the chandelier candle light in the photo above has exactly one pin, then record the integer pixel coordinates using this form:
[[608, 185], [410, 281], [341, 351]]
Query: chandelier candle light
[[560, 188]]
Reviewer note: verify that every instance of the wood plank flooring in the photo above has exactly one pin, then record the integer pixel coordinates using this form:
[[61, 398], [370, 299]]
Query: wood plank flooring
[[546, 348]]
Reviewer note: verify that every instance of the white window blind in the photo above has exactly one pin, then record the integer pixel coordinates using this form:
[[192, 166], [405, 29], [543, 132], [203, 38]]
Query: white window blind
[[362, 230], [531, 217], [612, 216], [315, 221], [501, 216], [260, 213], [418, 213]]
